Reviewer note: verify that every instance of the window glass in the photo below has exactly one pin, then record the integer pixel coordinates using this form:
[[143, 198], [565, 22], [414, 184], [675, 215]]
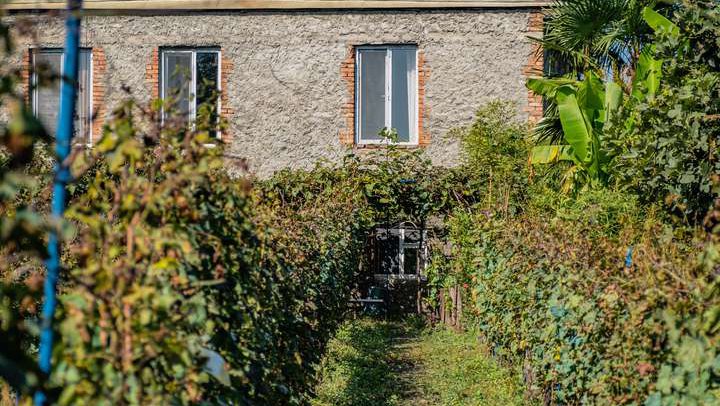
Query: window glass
[[387, 101], [48, 73], [191, 82], [398, 250], [206, 85], [412, 236], [372, 89], [47, 94], [389, 251], [177, 80], [410, 260], [83, 112], [403, 92]]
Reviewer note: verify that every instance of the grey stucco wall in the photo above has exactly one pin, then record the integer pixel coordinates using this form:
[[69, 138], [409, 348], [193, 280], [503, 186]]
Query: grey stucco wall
[[286, 89]]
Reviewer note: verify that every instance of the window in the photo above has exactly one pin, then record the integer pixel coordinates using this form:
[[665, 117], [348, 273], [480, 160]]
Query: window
[[399, 250], [386, 88], [48, 71], [191, 79]]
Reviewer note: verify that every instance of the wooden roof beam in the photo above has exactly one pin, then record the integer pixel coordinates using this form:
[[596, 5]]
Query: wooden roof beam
[[141, 5]]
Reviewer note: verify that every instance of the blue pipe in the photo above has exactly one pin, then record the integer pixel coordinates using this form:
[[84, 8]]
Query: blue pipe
[[63, 143], [629, 257]]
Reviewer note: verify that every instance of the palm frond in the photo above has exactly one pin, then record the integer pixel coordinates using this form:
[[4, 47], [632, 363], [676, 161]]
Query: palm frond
[[601, 30], [548, 130]]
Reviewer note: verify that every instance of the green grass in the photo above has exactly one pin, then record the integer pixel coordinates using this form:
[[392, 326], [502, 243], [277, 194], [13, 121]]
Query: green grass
[[457, 371], [376, 363], [356, 369]]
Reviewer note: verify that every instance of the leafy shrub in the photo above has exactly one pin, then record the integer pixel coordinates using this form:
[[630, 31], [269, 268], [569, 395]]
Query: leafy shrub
[[596, 295], [185, 285], [558, 296], [599, 299], [23, 158], [495, 152], [665, 147], [175, 266]]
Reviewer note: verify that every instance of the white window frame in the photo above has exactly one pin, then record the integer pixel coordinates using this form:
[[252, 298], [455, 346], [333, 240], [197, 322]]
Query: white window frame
[[421, 251], [34, 83], [414, 129], [193, 51], [421, 246]]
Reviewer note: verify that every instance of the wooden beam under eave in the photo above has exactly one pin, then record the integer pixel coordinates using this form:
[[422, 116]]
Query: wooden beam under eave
[[147, 5]]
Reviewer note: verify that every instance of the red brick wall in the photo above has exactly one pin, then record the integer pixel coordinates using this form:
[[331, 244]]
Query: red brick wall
[[99, 68], [535, 66], [347, 73], [152, 74], [25, 74], [423, 76], [226, 112]]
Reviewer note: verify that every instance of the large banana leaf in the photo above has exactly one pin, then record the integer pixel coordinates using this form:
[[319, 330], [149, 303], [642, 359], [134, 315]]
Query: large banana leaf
[[548, 129], [547, 154], [613, 99], [546, 86], [648, 72], [577, 128], [658, 22], [648, 75], [591, 93]]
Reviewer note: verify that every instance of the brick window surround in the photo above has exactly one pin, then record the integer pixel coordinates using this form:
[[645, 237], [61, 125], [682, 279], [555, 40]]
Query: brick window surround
[[152, 77], [99, 67], [534, 66], [26, 74], [348, 74]]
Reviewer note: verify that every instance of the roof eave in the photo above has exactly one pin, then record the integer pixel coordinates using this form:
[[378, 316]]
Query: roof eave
[[270, 4]]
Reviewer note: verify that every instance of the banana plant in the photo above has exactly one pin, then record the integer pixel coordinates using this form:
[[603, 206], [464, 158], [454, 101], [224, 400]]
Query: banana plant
[[649, 70], [584, 108]]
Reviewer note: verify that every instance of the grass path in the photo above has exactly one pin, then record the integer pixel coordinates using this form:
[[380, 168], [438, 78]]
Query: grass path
[[380, 363]]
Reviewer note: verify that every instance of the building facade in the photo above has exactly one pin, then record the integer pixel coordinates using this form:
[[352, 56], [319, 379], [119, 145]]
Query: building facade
[[299, 81]]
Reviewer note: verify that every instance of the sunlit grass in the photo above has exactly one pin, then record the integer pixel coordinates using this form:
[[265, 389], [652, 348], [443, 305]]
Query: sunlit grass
[[457, 371], [356, 369], [378, 363]]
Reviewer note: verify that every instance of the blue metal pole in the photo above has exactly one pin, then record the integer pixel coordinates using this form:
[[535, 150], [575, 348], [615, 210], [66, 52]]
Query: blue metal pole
[[63, 143]]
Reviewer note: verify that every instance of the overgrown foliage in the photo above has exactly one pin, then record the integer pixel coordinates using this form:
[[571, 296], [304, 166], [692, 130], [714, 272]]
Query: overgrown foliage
[[587, 35], [23, 228], [185, 285], [494, 163], [604, 39], [665, 147], [671, 88], [599, 296], [559, 297], [496, 173]]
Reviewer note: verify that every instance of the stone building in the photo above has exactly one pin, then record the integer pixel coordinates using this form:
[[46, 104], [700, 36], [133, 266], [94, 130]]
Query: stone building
[[300, 80]]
